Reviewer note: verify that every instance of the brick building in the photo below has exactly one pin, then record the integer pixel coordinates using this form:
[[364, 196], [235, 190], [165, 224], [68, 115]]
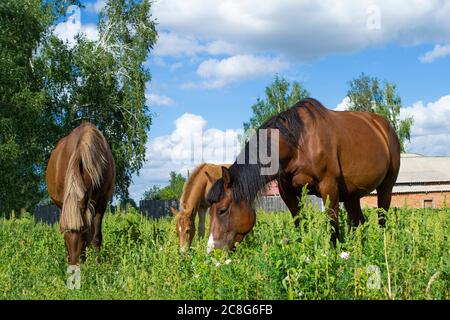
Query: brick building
[[423, 182]]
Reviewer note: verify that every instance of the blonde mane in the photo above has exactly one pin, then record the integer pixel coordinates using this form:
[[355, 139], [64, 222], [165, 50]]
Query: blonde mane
[[189, 185], [90, 153]]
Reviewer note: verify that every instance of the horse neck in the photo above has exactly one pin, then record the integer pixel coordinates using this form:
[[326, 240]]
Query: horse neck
[[194, 195], [249, 181]]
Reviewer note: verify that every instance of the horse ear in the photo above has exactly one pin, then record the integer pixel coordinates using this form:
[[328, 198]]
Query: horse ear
[[174, 211], [226, 176], [211, 179]]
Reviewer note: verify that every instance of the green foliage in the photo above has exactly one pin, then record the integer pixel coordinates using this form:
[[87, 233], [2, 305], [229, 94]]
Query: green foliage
[[141, 260], [280, 95], [125, 204], [171, 192], [25, 131], [368, 94], [152, 193], [47, 87]]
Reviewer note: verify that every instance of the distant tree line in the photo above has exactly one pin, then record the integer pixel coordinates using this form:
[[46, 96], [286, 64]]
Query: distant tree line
[[172, 191]]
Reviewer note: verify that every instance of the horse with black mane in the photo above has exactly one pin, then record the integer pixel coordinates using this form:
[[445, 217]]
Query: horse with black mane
[[80, 180], [339, 155]]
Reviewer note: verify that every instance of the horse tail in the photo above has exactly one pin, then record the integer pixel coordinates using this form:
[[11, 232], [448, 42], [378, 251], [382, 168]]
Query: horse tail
[[89, 158]]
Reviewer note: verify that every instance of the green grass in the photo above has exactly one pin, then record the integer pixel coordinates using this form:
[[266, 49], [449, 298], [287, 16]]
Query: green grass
[[140, 260]]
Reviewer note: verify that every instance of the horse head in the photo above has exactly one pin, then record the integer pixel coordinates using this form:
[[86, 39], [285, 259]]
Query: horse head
[[230, 220]]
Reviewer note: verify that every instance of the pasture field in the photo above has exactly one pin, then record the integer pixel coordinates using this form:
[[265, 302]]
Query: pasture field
[[140, 260]]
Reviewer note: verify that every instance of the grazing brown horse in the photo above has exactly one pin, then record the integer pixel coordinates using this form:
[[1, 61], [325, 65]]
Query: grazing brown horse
[[193, 201], [80, 180], [341, 156]]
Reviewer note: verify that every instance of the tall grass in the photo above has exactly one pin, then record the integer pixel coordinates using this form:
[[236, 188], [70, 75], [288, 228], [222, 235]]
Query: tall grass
[[140, 260]]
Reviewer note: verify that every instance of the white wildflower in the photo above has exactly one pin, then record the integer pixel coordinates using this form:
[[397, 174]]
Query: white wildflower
[[217, 264], [228, 261], [344, 255]]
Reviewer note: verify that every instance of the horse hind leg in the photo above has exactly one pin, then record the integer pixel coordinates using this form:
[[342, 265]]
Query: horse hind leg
[[353, 208], [384, 196]]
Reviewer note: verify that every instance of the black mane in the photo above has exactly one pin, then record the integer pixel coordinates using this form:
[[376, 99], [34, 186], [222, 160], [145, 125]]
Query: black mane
[[246, 179]]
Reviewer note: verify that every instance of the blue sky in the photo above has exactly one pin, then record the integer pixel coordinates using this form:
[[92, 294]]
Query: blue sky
[[214, 58], [327, 79]]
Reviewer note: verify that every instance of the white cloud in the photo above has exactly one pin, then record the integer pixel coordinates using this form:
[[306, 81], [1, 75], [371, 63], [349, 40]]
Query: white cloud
[[430, 145], [430, 118], [69, 29], [188, 145], [95, 7], [175, 66], [218, 73], [176, 45], [156, 99], [306, 29], [173, 45], [438, 52], [343, 105], [220, 47], [430, 133]]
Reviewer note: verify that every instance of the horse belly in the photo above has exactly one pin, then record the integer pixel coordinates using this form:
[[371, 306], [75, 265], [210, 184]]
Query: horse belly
[[364, 159]]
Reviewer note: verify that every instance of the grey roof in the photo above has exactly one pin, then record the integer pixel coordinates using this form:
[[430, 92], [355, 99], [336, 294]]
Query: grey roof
[[422, 188], [421, 174], [419, 188], [417, 168]]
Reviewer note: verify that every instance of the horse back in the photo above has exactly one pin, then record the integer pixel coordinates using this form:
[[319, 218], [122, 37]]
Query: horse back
[[59, 161]]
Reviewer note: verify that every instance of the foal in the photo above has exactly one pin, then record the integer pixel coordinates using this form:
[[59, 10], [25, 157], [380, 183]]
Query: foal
[[193, 201]]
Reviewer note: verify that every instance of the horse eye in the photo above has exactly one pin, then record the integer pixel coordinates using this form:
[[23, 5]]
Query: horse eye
[[221, 211]]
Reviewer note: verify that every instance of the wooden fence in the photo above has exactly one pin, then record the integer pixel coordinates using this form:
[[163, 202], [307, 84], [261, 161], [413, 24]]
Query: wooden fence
[[276, 203], [161, 208], [270, 204], [47, 214], [157, 208]]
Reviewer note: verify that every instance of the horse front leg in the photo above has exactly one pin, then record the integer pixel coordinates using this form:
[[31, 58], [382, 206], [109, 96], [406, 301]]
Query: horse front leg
[[329, 190], [97, 238], [291, 201], [201, 222]]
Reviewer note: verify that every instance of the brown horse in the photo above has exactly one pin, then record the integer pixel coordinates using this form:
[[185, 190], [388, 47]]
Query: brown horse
[[341, 156], [193, 201], [80, 180]]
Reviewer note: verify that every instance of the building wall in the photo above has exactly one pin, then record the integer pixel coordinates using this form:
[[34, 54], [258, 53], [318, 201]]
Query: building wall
[[412, 200]]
